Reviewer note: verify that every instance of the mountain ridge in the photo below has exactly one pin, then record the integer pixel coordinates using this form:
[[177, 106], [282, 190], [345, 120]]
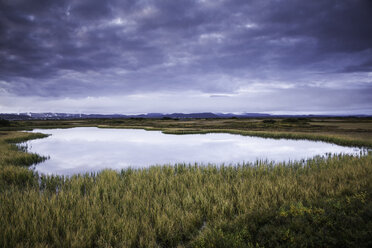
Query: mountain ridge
[[202, 115]]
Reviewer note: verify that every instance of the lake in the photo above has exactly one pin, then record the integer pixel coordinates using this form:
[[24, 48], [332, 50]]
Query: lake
[[90, 149]]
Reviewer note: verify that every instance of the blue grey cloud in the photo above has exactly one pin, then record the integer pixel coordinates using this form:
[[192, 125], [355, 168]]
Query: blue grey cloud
[[102, 48]]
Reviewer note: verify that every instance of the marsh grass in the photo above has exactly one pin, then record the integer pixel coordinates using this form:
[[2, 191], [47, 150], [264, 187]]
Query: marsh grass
[[12, 154], [336, 139], [342, 131], [330, 138], [14, 161], [322, 202]]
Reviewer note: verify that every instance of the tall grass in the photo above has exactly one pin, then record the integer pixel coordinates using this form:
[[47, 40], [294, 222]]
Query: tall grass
[[327, 137], [281, 135], [342, 131], [324, 202], [11, 154], [14, 161]]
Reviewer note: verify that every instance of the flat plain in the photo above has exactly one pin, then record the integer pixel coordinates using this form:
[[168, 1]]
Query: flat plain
[[325, 202]]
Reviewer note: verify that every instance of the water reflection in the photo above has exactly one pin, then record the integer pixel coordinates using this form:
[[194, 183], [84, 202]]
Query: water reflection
[[87, 149]]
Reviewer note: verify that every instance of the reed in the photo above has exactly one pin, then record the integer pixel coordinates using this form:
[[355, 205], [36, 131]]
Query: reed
[[324, 201], [342, 131], [344, 141]]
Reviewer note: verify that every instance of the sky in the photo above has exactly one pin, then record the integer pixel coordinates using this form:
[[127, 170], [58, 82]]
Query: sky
[[127, 57]]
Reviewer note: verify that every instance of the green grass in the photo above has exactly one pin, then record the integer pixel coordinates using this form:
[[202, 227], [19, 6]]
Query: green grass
[[14, 161], [11, 155], [342, 131], [325, 202], [344, 141]]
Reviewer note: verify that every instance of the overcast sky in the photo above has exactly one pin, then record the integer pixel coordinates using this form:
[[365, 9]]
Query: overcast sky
[[95, 56]]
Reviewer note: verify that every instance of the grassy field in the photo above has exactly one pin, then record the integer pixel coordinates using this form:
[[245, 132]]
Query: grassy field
[[325, 203], [343, 131]]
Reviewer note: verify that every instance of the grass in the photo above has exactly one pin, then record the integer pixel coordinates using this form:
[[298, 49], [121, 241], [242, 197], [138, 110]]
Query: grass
[[14, 161], [344, 141], [327, 202], [10, 153], [324, 202], [342, 131]]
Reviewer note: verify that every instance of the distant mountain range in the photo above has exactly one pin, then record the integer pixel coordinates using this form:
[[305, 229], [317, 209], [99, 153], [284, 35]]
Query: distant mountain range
[[206, 115]]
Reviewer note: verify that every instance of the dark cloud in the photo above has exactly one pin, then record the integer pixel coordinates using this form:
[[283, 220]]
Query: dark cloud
[[362, 67], [89, 48]]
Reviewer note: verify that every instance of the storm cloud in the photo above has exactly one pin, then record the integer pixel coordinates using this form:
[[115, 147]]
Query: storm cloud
[[266, 56]]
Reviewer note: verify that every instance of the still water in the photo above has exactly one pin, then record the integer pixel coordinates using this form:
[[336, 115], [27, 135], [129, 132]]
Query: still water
[[88, 149]]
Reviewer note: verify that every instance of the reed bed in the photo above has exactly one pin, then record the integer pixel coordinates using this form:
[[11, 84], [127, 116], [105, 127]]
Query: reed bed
[[331, 138], [273, 134], [322, 202], [12, 154]]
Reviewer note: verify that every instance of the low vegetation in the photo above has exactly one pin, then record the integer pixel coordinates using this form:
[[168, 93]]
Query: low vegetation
[[14, 160], [343, 131], [4, 123], [322, 202]]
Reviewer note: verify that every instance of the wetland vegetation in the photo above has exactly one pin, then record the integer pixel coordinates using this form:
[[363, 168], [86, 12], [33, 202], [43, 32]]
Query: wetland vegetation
[[325, 202], [342, 131], [91, 149]]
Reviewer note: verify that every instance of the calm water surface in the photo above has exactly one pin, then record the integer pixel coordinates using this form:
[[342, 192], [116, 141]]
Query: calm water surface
[[87, 149]]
